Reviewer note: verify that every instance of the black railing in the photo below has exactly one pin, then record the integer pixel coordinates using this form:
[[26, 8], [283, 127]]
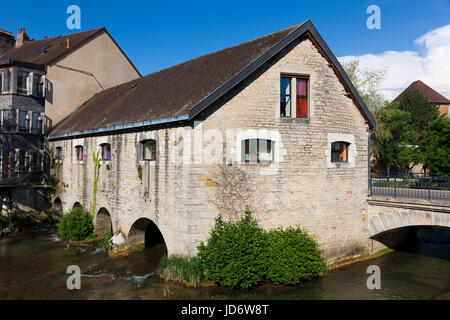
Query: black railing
[[431, 186]]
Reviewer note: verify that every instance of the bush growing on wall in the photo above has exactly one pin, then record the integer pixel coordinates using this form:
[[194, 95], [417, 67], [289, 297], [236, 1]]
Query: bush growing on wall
[[76, 224], [234, 253], [293, 256]]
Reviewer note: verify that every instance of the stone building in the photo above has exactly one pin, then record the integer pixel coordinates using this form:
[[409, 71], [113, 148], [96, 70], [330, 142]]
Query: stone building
[[272, 125], [41, 82]]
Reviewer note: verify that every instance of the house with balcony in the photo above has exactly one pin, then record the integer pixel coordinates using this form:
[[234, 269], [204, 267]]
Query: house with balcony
[[42, 82]]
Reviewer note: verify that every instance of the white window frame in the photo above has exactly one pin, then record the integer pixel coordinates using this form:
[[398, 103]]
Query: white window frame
[[351, 149]]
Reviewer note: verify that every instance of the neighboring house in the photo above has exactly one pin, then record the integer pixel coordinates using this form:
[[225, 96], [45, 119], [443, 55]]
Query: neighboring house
[[433, 96], [42, 82], [278, 111]]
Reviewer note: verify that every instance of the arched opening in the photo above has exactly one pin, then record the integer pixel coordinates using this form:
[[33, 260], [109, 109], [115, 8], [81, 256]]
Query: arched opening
[[424, 240], [57, 208], [77, 205], [145, 231], [103, 223]]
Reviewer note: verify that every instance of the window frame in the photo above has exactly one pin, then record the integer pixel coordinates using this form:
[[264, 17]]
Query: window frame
[[153, 152], [347, 146], [102, 149], [293, 92], [77, 152], [286, 95], [20, 90], [59, 153], [246, 147]]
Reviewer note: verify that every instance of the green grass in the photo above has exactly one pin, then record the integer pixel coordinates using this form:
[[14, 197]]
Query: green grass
[[182, 269]]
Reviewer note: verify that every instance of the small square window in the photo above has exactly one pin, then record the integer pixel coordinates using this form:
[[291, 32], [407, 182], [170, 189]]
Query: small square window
[[339, 151], [257, 151]]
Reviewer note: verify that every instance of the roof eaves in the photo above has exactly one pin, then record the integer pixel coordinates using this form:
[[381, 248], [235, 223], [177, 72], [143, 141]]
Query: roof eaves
[[119, 127]]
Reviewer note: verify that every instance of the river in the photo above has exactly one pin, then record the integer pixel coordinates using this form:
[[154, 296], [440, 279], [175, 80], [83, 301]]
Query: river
[[33, 265]]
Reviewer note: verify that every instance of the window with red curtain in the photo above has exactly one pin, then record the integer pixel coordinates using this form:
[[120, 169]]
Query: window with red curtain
[[302, 98]]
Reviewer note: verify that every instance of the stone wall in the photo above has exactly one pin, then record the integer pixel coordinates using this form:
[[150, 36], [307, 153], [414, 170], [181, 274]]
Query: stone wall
[[299, 188]]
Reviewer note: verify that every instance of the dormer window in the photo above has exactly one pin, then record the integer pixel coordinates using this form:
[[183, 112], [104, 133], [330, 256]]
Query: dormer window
[[22, 82]]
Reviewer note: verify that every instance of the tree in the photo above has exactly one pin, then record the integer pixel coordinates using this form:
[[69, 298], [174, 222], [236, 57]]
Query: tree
[[367, 82], [423, 113], [436, 146], [393, 142]]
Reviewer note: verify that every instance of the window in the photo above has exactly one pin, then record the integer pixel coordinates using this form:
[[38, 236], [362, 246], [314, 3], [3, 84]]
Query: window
[[34, 161], [299, 91], [22, 82], [339, 151], [5, 81], [9, 119], [23, 121], [302, 98], [38, 85], [79, 152], [106, 151], [285, 97], [36, 123], [149, 150], [21, 160], [1, 81], [257, 151], [59, 153]]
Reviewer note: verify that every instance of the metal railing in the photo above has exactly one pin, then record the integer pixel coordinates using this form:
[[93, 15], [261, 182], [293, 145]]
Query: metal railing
[[431, 186]]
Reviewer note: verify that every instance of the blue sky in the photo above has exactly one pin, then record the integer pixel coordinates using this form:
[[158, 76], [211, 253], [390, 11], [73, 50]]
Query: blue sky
[[159, 34]]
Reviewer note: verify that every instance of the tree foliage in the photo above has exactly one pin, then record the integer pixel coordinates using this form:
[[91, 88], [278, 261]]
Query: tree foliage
[[367, 82], [437, 146]]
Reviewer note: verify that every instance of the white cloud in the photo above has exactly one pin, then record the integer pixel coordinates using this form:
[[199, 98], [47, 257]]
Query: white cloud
[[431, 64]]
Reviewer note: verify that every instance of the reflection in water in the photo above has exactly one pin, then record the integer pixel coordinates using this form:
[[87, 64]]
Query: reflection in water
[[33, 266]]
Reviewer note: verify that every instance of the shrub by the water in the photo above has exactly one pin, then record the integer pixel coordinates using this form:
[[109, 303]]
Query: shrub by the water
[[293, 256], [233, 256], [105, 243], [182, 269], [75, 225]]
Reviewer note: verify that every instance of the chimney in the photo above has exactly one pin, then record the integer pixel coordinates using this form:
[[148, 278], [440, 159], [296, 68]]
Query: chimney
[[6, 41], [21, 38]]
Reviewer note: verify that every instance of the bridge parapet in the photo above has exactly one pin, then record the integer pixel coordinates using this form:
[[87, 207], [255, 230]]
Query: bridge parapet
[[388, 213]]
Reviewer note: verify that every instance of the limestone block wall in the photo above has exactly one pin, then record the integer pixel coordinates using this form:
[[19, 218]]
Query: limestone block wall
[[298, 189]]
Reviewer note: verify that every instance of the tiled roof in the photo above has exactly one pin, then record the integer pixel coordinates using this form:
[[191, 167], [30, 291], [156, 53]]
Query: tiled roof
[[431, 94], [182, 91], [45, 51]]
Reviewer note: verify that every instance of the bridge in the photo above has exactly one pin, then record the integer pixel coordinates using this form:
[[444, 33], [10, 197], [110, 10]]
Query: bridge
[[398, 203]]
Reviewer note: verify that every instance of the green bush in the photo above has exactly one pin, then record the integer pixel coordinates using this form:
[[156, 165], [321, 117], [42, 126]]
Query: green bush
[[75, 225], [293, 256], [234, 253], [182, 269]]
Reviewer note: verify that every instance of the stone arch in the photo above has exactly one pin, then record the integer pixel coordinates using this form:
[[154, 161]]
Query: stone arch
[[103, 223], [57, 208], [145, 231], [401, 218], [77, 205]]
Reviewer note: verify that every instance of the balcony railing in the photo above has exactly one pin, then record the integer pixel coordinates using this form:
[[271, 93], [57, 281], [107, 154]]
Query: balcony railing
[[430, 187], [18, 121]]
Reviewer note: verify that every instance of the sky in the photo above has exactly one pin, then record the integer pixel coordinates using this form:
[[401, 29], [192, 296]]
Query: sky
[[413, 41]]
